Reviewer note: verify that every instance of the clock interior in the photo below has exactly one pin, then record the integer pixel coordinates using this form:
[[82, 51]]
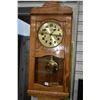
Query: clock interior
[[49, 70]]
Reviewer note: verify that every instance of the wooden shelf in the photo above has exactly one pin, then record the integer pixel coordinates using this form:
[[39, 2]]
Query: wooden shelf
[[47, 93]]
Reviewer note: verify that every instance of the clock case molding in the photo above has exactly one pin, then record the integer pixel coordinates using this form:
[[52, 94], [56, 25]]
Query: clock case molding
[[51, 11]]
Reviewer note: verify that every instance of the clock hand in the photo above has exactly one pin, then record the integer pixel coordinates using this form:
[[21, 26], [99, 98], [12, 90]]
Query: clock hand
[[57, 34], [52, 31]]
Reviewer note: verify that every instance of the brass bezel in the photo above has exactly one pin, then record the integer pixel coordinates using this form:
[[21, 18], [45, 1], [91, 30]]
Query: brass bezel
[[53, 21]]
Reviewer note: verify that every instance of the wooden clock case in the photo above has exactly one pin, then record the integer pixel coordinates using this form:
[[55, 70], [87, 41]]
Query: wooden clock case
[[51, 11]]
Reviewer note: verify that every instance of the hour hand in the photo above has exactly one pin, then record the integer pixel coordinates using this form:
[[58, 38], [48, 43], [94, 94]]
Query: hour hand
[[43, 32], [53, 31]]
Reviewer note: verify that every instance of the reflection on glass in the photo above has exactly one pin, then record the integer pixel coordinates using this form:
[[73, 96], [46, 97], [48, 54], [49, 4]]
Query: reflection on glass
[[49, 70]]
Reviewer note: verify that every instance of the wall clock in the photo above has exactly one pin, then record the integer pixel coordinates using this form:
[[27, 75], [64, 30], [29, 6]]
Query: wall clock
[[50, 51]]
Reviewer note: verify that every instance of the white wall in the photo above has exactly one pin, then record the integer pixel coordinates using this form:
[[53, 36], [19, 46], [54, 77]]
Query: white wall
[[23, 28], [79, 50]]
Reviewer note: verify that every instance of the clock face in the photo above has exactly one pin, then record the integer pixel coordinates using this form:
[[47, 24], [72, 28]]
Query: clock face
[[50, 34]]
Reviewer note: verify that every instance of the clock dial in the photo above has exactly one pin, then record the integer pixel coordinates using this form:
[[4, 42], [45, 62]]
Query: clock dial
[[50, 34]]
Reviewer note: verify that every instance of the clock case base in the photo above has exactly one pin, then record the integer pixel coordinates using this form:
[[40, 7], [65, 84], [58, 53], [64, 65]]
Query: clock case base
[[48, 93]]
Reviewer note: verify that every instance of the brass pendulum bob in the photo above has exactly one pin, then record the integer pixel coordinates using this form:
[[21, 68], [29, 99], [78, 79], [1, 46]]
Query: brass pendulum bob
[[52, 66]]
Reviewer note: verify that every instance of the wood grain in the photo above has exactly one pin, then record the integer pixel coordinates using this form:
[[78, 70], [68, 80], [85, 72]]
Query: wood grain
[[47, 93], [63, 16], [52, 8]]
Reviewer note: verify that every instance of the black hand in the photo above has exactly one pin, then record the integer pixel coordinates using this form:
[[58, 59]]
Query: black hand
[[52, 32]]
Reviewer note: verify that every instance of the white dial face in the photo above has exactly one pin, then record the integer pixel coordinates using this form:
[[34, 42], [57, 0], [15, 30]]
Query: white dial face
[[50, 34]]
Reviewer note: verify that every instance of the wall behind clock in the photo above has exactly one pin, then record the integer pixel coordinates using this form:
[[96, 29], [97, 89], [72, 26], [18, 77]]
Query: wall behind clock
[[24, 8]]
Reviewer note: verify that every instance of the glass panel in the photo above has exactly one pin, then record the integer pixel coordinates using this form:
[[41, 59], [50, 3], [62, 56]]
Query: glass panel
[[49, 70]]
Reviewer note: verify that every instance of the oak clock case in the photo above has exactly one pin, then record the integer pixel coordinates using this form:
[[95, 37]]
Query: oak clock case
[[50, 52]]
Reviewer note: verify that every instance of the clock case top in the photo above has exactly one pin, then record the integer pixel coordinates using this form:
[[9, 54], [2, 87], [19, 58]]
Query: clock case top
[[52, 8], [51, 11]]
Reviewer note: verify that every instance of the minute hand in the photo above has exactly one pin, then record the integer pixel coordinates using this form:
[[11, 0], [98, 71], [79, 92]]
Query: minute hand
[[56, 34]]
